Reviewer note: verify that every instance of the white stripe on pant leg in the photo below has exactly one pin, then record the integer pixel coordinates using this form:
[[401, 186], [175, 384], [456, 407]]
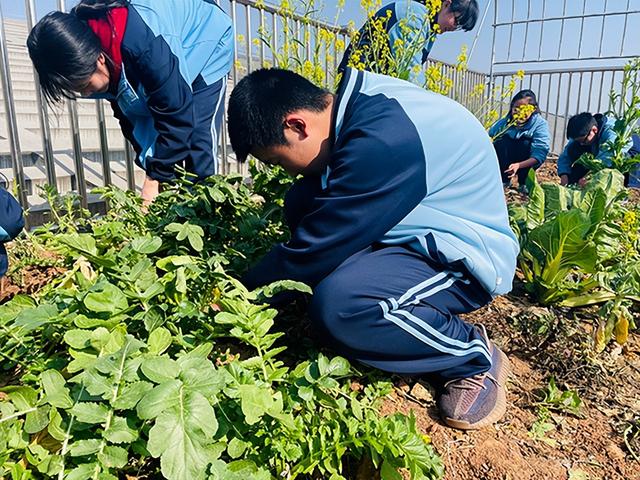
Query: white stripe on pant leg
[[439, 335], [428, 341], [437, 289], [409, 293], [214, 132]]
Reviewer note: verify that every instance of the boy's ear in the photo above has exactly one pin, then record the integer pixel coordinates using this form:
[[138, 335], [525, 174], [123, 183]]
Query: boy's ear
[[296, 124]]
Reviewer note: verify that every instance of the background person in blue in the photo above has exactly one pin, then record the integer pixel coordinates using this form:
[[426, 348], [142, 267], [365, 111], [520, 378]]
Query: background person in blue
[[409, 23], [588, 133], [162, 68], [522, 142], [11, 224], [399, 224]]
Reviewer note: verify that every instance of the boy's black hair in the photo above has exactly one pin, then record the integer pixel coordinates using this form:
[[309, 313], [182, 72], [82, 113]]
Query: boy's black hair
[[529, 95], [580, 125], [466, 13], [259, 104], [65, 50]]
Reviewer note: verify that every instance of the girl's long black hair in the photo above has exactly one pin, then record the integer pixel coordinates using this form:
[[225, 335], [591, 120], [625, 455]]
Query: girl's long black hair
[[528, 94], [64, 50]]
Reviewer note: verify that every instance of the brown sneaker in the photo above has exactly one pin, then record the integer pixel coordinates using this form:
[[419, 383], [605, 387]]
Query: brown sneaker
[[478, 401]]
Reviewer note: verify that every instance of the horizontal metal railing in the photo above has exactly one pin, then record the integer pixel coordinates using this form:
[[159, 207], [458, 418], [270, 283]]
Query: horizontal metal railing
[[80, 146], [577, 31]]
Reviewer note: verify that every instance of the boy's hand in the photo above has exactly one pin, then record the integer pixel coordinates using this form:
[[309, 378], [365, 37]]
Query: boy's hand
[[150, 190]]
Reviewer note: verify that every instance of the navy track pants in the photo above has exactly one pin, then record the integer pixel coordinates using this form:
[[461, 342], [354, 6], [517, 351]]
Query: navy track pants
[[388, 307]]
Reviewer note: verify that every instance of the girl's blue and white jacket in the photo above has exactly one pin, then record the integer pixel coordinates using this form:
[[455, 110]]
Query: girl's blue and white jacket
[[408, 167], [536, 130], [168, 48]]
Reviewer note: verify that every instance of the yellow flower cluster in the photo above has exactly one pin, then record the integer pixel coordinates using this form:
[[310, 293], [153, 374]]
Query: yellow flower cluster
[[437, 82], [491, 118], [631, 226], [463, 58], [522, 113]]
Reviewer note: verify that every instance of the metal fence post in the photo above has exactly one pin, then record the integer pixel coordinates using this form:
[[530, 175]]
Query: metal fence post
[[12, 127], [43, 110]]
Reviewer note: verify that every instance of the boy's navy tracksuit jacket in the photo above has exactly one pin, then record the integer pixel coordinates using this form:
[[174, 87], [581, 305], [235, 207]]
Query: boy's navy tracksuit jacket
[[408, 167]]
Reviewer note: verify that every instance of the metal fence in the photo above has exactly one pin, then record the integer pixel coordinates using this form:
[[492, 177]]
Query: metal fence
[[78, 146], [573, 53]]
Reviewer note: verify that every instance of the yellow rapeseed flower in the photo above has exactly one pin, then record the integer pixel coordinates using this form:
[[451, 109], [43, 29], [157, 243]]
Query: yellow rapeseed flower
[[523, 112]]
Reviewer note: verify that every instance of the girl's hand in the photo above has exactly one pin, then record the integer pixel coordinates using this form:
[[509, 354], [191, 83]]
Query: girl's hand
[[513, 169], [150, 190]]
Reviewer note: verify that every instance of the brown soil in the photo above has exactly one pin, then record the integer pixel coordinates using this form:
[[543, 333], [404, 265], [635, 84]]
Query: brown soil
[[589, 447], [29, 280]]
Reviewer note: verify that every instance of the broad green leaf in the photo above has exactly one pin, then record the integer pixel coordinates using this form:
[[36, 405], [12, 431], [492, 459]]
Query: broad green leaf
[[57, 394], [56, 428], [78, 339], [180, 437], [162, 397], [238, 470], [159, 341], [89, 412], [106, 298], [556, 199], [121, 430], [81, 448], [113, 457], [24, 398], [175, 261], [81, 472], [609, 181], [37, 420], [536, 203], [255, 402], [131, 394], [31, 319], [338, 367], [389, 472], [283, 286], [154, 318], [160, 369], [237, 447], [80, 242], [200, 375], [10, 310], [146, 245]]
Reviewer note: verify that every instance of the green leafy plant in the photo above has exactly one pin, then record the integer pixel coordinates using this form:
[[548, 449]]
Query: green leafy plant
[[579, 247], [150, 357]]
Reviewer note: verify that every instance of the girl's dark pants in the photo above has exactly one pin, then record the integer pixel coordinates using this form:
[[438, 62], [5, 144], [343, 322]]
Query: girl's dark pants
[[511, 151]]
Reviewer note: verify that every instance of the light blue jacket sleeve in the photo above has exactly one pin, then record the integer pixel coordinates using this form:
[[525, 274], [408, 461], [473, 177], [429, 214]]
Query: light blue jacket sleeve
[[564, 162], [413, 32], [541, 140]]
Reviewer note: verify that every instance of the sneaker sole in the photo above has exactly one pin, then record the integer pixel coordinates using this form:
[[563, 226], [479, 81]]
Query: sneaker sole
[[500, 407]]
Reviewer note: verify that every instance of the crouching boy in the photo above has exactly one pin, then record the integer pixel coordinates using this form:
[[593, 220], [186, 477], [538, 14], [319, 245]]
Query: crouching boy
[[399, 225], [589, 133]]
